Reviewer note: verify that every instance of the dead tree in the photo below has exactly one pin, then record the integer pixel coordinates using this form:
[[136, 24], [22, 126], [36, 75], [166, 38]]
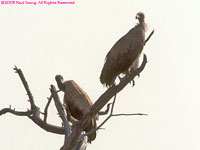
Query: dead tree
[[75, 138]]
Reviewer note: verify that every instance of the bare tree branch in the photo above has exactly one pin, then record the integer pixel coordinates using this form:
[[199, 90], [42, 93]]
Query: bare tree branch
[[46, 126], [113, 115], [35, 118], [134, 114], [106, 111], [34, 112], [46, 108], [21, 75], [113, 103], [152, 32], [98, 105], [17, 113], [72, 139], [60, 110]]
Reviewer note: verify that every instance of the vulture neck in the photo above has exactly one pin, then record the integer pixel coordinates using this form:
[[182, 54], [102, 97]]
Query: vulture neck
[[61, 85], [141, 22]]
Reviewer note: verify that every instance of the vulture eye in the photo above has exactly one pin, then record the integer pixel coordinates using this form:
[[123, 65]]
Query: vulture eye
[[139, 15]]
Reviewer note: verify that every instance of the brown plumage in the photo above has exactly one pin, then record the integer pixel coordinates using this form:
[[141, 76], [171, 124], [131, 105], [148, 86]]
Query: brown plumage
[[77, 102], [125, 53]]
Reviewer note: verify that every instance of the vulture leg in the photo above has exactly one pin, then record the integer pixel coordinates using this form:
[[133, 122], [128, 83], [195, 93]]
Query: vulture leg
[[126, 76], [132, 70], [134, 67]]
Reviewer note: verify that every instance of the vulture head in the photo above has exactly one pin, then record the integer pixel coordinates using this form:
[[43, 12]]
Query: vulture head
[[59, 80], [140, 17]]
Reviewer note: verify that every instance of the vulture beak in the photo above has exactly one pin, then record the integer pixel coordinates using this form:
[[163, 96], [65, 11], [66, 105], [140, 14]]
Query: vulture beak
[[137, 17]]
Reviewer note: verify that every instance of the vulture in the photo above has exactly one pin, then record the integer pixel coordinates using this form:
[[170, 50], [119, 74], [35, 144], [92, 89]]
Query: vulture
[[125, 53], [77, 102]]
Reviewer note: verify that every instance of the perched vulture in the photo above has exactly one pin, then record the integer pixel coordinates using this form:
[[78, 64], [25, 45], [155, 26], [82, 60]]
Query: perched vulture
[[77, 102], [125, 53]]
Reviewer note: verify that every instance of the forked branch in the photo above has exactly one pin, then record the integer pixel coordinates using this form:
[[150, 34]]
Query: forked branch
[[72, 138], [34, 112]]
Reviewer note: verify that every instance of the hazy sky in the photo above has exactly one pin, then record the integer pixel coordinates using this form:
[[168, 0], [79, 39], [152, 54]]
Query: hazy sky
[[73, 40]]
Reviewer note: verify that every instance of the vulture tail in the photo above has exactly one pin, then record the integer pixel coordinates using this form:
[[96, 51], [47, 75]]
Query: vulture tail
[[107, 76], [92, 125]]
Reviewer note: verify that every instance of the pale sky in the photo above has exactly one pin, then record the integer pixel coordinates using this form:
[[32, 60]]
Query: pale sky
[[73, 40]]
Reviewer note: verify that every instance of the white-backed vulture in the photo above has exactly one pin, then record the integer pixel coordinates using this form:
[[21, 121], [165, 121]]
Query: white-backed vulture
[[125, 53], [77, 102]]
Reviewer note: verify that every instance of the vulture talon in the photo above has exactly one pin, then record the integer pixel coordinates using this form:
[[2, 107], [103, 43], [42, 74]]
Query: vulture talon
[[133, 83]]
